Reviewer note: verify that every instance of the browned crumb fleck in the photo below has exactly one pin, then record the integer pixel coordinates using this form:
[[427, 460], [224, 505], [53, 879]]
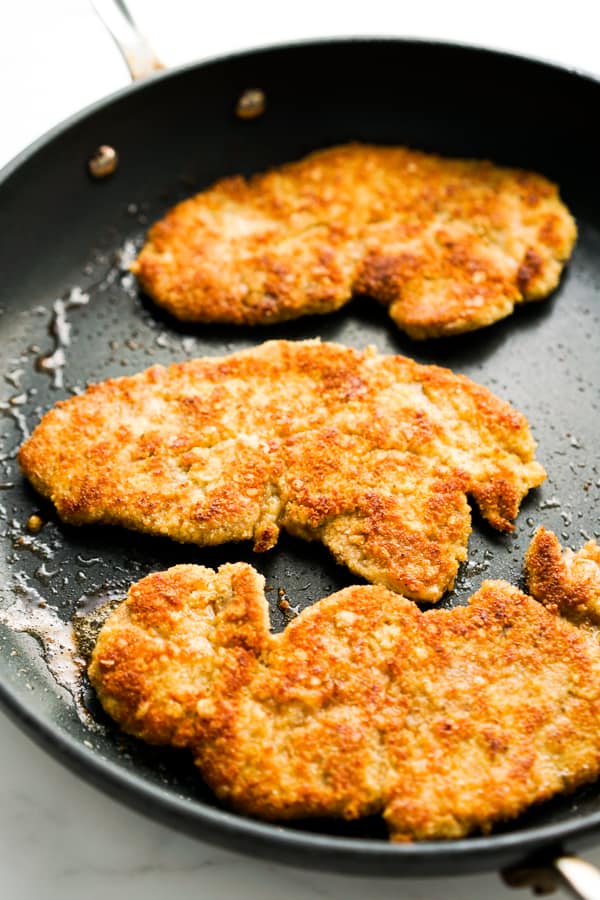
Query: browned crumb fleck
[[34, 524]]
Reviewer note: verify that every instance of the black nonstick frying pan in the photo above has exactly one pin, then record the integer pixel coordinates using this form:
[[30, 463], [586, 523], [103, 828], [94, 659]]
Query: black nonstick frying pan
[[71, 314]]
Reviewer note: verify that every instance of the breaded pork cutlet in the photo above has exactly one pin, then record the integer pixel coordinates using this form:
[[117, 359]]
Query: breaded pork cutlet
[[446, 722], [447, 245], [373, 455]]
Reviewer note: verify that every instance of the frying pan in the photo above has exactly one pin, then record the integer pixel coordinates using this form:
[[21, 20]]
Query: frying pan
[[71, 314]]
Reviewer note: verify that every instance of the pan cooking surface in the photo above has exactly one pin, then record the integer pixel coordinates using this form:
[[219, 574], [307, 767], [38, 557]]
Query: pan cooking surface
[[72, 314]]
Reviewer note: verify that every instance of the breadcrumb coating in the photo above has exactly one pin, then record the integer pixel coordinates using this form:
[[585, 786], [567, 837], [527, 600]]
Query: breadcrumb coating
[[372, 455], [445, 721], [446, 245]]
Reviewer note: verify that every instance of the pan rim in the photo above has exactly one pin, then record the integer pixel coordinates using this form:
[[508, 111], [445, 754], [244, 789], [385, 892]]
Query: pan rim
[[24, 155], [196, 817], [134, 791]]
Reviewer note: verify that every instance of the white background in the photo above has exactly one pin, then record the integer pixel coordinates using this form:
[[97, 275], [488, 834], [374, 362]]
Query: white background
[[60, 838]]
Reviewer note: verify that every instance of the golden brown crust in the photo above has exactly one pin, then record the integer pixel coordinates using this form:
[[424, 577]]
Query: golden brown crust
[[373, 455], [447, 245], [568, 581], [446, 722]]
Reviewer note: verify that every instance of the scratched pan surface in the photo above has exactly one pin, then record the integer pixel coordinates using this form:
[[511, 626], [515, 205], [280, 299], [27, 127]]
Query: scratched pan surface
[[64, 287]]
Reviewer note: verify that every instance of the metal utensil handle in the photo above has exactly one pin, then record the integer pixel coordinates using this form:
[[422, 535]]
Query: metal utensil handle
[[139, 56], [543, 875], [581, 877]]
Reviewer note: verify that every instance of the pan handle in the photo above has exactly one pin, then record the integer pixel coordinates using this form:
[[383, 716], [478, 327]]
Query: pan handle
[[579, 877], [140, 58]]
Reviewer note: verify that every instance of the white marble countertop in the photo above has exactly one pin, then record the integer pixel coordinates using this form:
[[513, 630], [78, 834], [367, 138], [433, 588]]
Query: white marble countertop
[[59, 837]]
